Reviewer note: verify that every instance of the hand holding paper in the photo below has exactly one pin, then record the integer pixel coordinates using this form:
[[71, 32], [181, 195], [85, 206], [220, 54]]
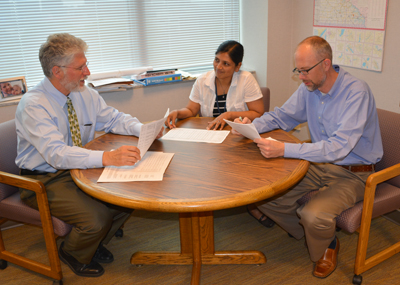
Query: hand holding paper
[[148, 133], [247, 130]]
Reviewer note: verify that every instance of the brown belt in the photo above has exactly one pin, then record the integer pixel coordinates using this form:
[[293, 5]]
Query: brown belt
[[359, 168]]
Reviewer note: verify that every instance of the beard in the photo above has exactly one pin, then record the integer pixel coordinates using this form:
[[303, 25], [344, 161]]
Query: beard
[[72, 86], [314, 85]]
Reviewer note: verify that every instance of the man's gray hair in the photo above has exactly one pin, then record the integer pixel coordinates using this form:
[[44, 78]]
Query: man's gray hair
[[59, 50]]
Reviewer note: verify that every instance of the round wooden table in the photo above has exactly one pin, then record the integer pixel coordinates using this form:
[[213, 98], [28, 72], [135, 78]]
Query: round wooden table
[[201, 178]]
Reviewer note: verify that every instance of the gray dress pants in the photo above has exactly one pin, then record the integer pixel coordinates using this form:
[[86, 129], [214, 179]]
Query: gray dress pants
[[93, 221], [339, 189]]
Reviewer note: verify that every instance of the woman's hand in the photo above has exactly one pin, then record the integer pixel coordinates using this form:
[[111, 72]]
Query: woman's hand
[[218, 123], [170, 121]]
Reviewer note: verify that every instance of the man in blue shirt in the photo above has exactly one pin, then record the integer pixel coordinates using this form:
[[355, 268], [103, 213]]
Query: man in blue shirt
[[346, 143], [47, 150]]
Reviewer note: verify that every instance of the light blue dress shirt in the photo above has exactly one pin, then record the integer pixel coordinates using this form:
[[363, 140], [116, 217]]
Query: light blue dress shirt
[[343, 124], [44, 138]]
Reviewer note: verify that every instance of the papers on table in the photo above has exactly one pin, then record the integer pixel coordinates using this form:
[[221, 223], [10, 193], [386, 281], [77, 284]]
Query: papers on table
[[195, 135], [247, 130], [150, 168], [152, 165]]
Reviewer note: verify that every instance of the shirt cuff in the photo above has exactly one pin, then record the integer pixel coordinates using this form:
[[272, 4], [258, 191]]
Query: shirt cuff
[[136, 129], [292, 150], [96, 159]]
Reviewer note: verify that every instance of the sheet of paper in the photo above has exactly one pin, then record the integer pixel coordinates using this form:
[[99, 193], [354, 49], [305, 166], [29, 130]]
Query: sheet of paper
[[109, 81], [148, 134], [248, 130], [151, 168], [118, 73], [195, 135]]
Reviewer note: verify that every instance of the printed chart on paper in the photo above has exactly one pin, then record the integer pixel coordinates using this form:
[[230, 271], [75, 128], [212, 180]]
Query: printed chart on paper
[[355, 29]]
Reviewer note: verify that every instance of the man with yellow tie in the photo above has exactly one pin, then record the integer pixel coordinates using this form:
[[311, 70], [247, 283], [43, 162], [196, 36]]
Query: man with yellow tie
[[53, 121]]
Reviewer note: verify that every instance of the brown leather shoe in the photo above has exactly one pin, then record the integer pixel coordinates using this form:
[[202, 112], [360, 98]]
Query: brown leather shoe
[[327, 264]]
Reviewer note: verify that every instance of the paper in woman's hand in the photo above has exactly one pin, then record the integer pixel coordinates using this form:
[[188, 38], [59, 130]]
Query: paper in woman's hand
[[247, 130]]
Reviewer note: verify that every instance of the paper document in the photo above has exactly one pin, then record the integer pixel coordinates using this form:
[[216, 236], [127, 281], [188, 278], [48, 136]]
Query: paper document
[[118, 73], [195, 135], [148, 134], [248, 130], [150, 168]]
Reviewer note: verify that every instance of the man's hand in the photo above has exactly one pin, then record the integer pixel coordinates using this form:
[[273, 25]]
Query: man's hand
[[270, 148], [124, 155], [240, 121]]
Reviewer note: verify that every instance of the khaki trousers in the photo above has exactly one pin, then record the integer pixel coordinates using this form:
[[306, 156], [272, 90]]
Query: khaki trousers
[[93, 221], [339, 189]]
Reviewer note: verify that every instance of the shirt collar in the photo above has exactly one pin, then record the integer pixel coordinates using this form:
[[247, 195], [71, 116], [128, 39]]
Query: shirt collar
[[52, 91], [337, 83], [211, 80]]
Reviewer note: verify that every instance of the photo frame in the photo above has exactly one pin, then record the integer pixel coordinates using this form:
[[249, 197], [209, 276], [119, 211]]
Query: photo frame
[[12, 88]]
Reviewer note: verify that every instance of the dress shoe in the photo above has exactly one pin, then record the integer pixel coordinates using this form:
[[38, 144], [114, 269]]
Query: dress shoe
[[93, 269], [103, 255], [327, 264]]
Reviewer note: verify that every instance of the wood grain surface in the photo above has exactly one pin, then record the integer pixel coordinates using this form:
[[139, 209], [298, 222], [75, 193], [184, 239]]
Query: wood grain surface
[[201, 176]]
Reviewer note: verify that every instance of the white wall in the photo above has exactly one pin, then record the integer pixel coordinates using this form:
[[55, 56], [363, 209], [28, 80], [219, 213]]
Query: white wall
[[290, 21], [254, 37]]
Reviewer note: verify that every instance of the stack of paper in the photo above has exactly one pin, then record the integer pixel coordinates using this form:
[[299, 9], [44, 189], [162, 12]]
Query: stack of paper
[[114, 80]]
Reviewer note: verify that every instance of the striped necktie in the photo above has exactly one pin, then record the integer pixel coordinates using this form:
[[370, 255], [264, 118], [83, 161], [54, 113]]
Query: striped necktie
[[73, 124]]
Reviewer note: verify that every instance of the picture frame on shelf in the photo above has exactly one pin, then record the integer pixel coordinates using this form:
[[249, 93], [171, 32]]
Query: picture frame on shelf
[[12, 88]]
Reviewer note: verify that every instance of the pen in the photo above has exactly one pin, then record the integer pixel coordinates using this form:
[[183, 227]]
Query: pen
[[240, 118]]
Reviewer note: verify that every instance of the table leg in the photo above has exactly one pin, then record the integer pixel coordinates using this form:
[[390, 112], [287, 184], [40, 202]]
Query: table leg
[[197, 247]]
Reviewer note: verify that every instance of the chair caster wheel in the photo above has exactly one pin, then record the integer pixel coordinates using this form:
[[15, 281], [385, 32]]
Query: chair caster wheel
[[3, 264], [57, 282], [357, 279], [119, 233]]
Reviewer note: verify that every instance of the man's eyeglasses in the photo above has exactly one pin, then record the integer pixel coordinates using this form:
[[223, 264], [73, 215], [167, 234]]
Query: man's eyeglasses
[[78, 68], [297, 71]]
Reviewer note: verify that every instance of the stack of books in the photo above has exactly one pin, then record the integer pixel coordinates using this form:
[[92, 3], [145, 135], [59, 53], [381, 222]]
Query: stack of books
[[153, 77]]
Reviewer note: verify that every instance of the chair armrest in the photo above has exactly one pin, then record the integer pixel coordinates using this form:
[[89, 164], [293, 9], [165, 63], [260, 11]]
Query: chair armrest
[[22, 182], [370, 187], [41, 197], [381, 176]]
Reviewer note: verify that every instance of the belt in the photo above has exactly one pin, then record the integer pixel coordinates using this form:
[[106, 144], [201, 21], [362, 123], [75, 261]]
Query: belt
[[32, 172], [359, 167]]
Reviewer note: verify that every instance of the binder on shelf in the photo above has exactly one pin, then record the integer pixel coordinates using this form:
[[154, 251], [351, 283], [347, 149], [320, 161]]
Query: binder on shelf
[[159, 79]]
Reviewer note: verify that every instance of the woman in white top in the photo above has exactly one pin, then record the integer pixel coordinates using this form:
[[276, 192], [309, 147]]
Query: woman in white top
[[224, 93]]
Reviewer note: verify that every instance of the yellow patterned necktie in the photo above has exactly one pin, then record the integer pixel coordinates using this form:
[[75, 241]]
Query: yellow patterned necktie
[[73, 124]]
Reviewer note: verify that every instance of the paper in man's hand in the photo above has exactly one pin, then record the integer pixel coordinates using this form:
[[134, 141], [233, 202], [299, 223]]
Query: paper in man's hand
[[148, 134], [247, 130]]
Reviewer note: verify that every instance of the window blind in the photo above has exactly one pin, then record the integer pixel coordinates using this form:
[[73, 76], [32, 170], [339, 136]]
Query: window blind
[[121, 34]]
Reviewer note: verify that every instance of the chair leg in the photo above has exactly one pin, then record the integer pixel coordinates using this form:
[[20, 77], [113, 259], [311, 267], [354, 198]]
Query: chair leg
[[3, 264], [357, 279]]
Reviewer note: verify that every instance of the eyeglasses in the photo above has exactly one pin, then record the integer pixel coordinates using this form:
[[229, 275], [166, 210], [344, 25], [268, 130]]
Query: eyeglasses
[[78, 68], [297, 71]]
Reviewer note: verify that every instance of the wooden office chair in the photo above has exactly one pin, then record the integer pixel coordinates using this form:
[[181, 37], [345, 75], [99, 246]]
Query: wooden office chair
[[266, 98], [381, 196], [12, 208]]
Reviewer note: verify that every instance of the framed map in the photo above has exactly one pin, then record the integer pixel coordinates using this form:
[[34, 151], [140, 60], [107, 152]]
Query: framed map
[[355, 29]]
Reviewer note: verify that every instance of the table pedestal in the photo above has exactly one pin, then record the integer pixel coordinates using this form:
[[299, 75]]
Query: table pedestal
[[197, 247]]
